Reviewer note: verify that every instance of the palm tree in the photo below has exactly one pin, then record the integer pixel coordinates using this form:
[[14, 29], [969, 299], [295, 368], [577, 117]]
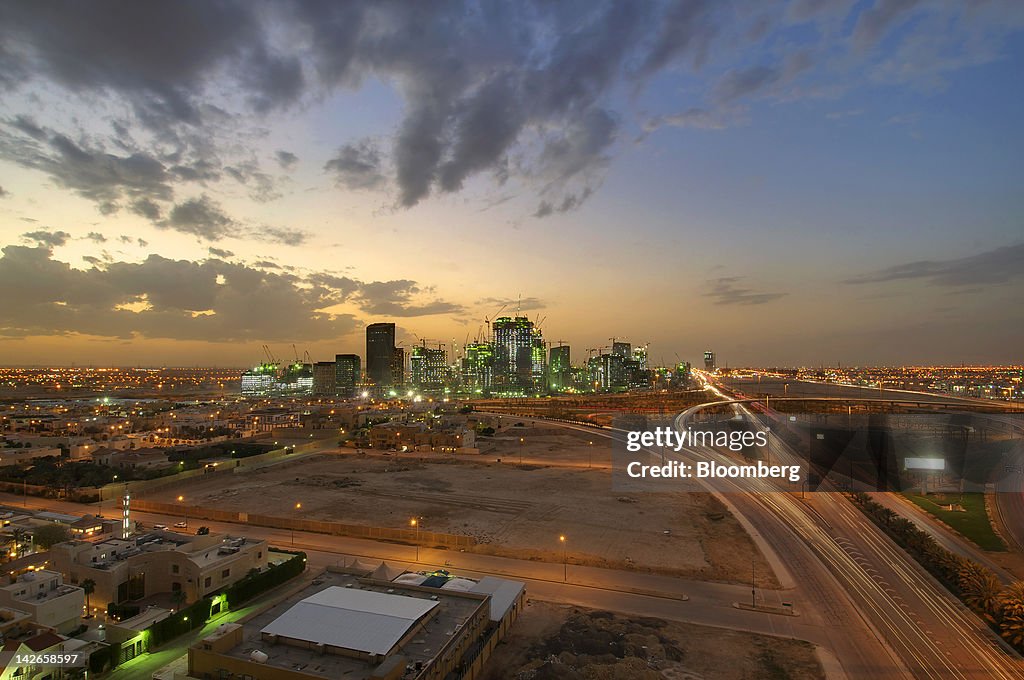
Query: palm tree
[[88, 585], [1011, 613], [980, 588], [178, 598]]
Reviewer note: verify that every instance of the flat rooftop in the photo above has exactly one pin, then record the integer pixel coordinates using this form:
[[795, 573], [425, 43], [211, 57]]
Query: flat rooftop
[[447, 614], [200, 549], [362, 620]]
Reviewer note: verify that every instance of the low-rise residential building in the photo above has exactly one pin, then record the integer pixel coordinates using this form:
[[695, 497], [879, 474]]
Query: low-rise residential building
[[131, 569], [32, 645], [418, 437], [47, 600], [139, 459], [15, 456]]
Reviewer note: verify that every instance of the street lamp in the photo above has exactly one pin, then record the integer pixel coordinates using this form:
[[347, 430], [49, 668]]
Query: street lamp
[[181, 499], [298, 506], [415, 522], [590, 454], [565, 560], [520, 451]]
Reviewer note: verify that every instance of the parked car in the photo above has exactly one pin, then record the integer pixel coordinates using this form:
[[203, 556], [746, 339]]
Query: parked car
[[202, 531], [181, 525], [159, 526]]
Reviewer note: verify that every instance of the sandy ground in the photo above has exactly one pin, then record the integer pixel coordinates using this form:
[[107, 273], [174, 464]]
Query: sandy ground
[[551, 641], [512, 510]]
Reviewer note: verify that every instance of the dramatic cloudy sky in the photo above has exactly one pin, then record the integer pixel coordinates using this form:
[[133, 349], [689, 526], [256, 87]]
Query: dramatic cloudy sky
[[785, 182]]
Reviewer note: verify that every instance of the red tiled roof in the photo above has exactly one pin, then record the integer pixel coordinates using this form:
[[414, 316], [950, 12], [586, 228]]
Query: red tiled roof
[[43, 641]]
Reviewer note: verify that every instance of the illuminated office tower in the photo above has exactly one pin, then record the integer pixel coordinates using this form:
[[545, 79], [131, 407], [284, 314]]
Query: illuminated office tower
[[559, 369], [478, 368], [297, 379], [640, 356], [513, 355], [323, 379], [623, 349], [380, 354], [346, 374], [427, 368], [397, 367], [613, 372], [260, 381], [681, 376], [709, 360], [538, 363]]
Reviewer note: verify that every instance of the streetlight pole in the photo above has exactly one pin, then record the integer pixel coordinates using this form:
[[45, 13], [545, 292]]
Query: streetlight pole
[[298, 506], [415, 522], [565, 560], [520, 451], [590, 454], [181, 499], [753, 592]]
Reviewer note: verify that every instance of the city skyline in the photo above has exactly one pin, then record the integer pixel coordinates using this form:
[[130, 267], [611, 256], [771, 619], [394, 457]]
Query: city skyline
[[796, 183]]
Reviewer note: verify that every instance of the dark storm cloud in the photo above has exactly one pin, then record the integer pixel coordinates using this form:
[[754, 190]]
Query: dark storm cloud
[[211, 300], [89, 171], [131, 240], [357, 166], [997, 266], [498, 89], [219, 252], [146, 208], [200, 217], [568, 202], [3, 192], [286, 159], [395, 298], [96, 237], [727, 291], [29, 127], [160, 55], [284, 235], [48, 238], [333, 287]]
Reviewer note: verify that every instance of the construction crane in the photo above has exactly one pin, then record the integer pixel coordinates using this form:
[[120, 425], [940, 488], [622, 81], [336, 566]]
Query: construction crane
[[487, 320], [423, 341], [270, 355]]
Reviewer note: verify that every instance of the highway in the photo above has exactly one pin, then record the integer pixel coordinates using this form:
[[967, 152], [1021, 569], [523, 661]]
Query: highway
[[933, 633], [920, 630], [861, 650]]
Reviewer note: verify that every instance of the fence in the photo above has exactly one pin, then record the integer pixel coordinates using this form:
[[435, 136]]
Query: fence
[[424, 538]]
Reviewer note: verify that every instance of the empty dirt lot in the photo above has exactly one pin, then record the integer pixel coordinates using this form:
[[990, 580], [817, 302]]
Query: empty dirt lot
[[559, 642], [511, 509]]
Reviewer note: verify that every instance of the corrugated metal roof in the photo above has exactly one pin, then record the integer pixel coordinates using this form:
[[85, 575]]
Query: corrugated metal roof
[[361, 620], [502, 591]]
